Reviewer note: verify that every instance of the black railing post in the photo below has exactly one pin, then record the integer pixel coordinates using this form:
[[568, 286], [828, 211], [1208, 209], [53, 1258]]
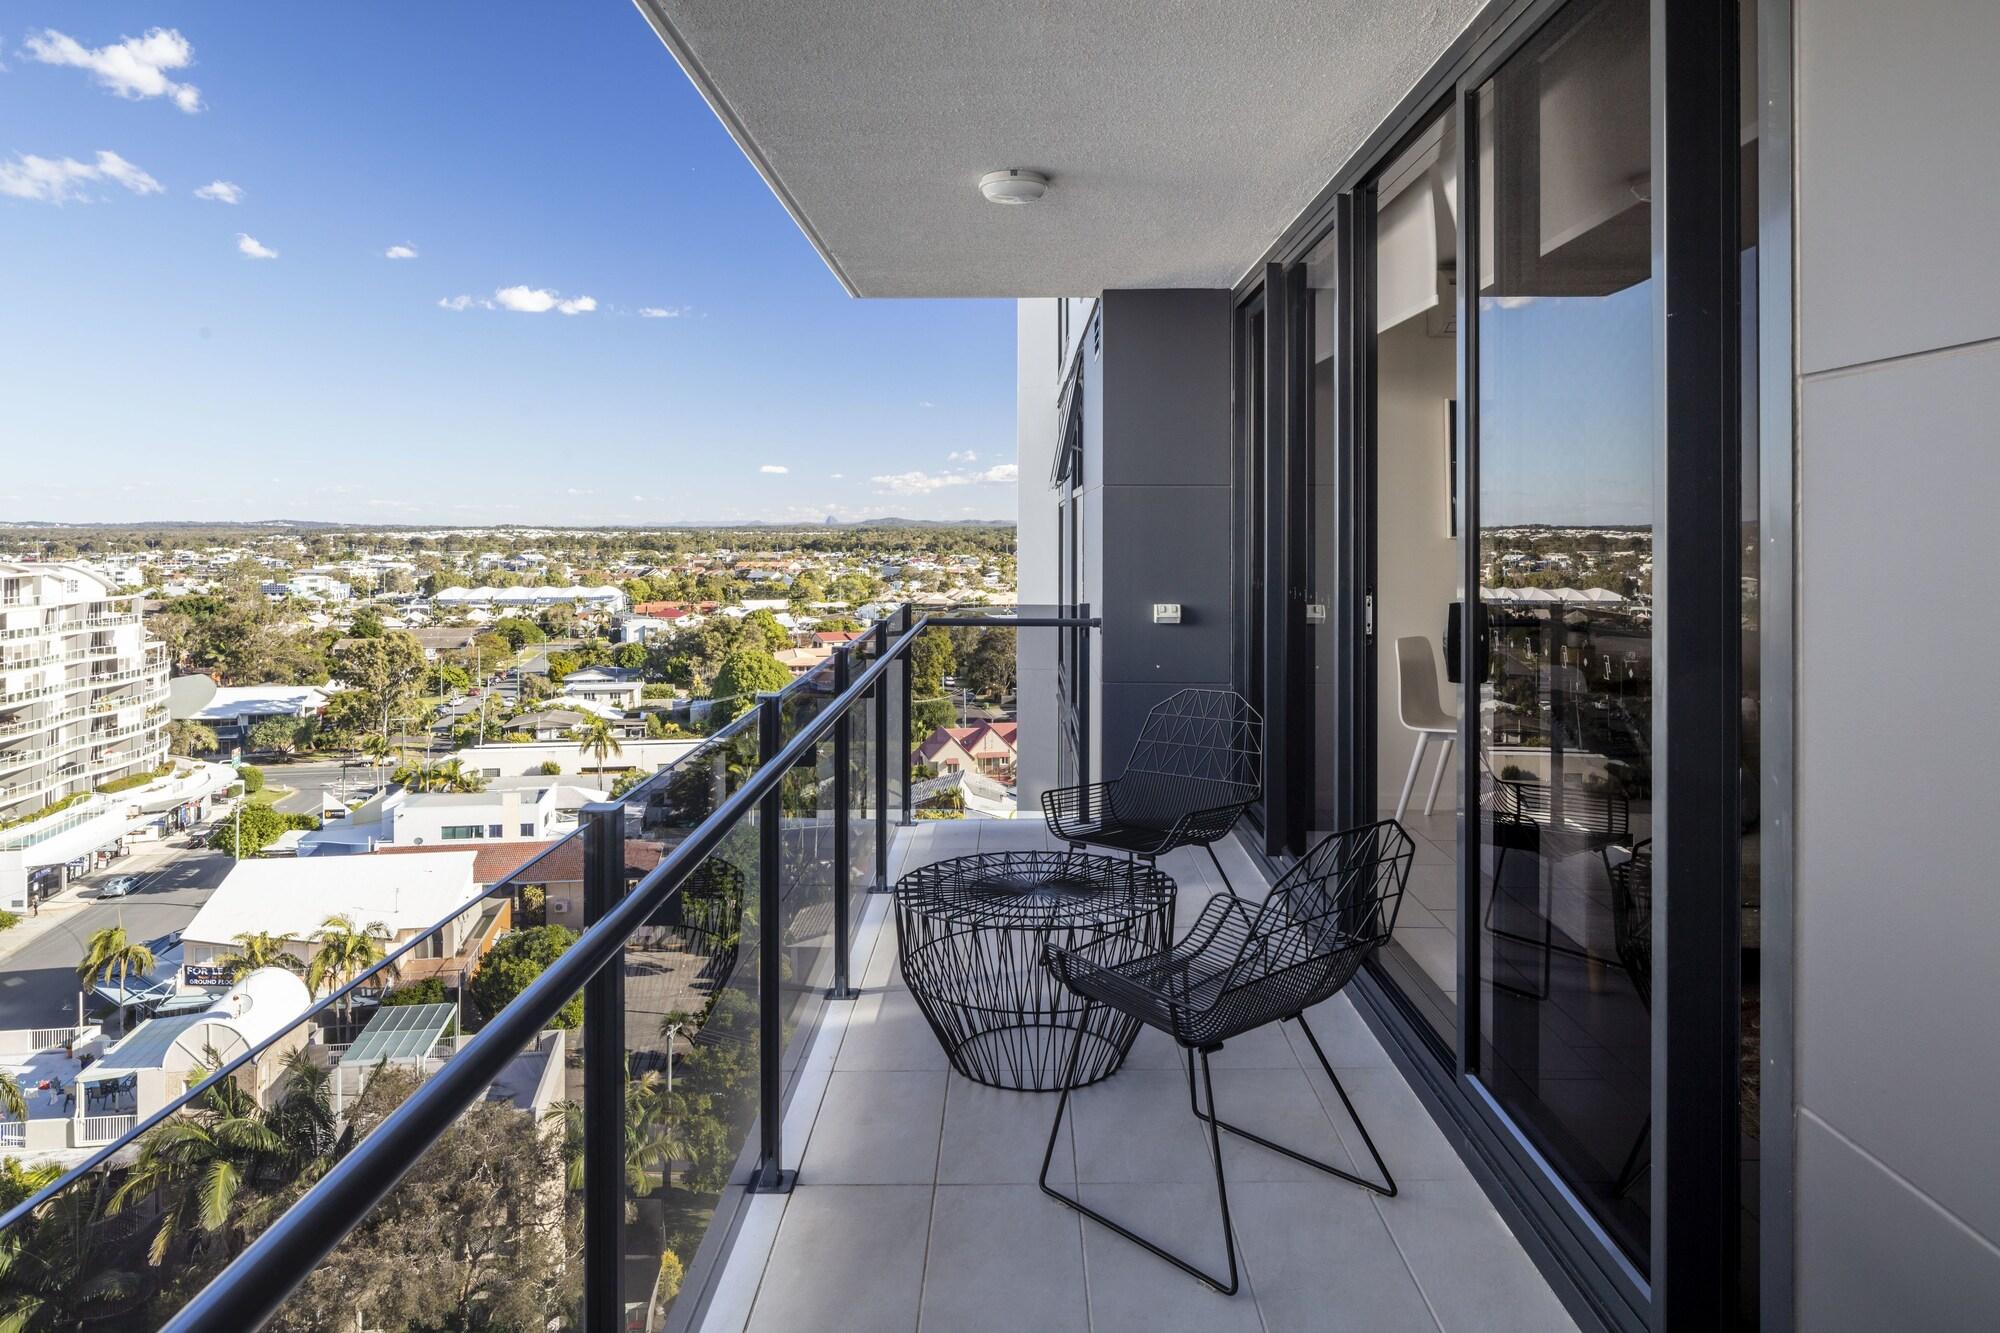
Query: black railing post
[[1083, 776], [843, 815], [603, 1079], [882, 748], [909, 712], [771, 1177]]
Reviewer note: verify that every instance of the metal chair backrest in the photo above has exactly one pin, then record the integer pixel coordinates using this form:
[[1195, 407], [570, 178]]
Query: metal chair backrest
[[1632, 918], [1322, 918], [1199, 749]]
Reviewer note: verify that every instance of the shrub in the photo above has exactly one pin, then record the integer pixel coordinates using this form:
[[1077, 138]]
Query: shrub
[[8, 920], [430, 990], [550, 768], [512, 965], [252, 778]]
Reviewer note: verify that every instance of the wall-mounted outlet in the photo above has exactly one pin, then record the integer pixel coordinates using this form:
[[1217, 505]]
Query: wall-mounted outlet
[[1166, 613]]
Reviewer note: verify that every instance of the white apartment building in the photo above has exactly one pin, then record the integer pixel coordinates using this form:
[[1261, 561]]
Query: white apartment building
[[513, 808], [83, 690]]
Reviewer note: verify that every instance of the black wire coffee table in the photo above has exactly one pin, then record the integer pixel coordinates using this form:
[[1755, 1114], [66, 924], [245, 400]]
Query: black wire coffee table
[[970, 934]]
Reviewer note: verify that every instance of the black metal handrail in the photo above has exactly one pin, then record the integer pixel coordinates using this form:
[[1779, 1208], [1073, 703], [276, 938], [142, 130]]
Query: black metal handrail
[[247, 1293], [20, 1212]]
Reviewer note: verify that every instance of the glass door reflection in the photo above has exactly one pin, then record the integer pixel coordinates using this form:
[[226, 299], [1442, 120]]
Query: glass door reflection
[[1564, 380]]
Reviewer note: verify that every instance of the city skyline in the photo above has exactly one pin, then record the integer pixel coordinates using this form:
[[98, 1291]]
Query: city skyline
[[462, 273]]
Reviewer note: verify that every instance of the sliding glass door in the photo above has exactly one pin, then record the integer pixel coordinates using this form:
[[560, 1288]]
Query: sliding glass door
[[1564, 396]]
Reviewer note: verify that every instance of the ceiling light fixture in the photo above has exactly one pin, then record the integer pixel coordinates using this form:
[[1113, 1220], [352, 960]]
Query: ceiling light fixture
[[1016, 185]]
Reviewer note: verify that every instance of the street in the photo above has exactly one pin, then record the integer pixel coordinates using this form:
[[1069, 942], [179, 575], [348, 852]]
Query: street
[[38, 983], [312, 780]]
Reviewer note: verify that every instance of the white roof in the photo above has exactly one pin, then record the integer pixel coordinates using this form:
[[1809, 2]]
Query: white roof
[[232, 701], [255, 1009], [292, 898]]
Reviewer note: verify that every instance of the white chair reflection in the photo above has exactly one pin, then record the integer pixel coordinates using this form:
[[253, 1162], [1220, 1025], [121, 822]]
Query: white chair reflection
[[1418, 708]]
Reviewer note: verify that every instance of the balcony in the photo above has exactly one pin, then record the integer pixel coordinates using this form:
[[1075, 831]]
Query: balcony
[[730, 945], [917, 1204]]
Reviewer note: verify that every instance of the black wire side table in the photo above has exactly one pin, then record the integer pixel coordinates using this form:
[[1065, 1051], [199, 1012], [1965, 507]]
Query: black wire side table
[[971, 931]]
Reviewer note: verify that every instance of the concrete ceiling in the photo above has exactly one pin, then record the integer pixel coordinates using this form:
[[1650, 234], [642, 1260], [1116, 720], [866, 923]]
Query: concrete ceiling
[[1181, 138]]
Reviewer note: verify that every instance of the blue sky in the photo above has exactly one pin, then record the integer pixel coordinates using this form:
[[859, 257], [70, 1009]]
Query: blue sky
[[153, 367]]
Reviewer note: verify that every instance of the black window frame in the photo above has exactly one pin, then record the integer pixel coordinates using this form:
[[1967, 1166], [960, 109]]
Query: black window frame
[[1694, 1259]]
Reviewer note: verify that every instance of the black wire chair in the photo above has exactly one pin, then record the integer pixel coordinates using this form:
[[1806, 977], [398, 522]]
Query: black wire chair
[[1632, 931], [1197, 766], [1240, 967], [1526, 819]]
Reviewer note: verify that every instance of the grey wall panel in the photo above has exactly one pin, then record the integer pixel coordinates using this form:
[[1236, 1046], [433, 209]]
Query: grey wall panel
[[1166, 544], [1876, 1255], [1167, 387], [1036, 543], [1898, 913], [1125, 708], [1897, 160]]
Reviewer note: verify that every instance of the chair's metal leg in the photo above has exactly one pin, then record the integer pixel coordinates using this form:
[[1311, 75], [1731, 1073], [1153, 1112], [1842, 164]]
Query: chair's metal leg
[[1628, 1174], [1209, 847], [1388, 1188], [1546, 943], [1388, 1185], [1076, 1205]]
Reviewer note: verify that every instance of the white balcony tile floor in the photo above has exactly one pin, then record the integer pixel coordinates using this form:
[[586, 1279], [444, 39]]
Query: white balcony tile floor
[[917, 1207]]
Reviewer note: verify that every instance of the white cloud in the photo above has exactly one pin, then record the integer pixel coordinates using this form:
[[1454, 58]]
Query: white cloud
[[662, 311], [460, 303], [529, 301], [926, 403], [923, 483], [962, 456], [57, 180], [526, 300], [776, 469], [135, 67], [400, 252], [836, 476], [222, 192], [253, 248]]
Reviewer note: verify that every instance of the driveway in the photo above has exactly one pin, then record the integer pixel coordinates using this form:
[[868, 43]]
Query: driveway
[[38, 985]]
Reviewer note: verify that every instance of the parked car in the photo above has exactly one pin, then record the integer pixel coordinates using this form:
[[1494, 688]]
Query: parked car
[[117, 886]]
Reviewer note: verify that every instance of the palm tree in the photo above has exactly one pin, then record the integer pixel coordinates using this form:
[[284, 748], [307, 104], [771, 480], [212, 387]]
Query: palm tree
[[595, 737], [344, 952], [109, 953], [378, 749], [255, 949], [12, 1103], [196, 1165], [453, 775]]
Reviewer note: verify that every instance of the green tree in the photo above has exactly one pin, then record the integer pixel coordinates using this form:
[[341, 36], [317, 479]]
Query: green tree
[[191, 738], [195, 1166], [760, 629], [367, 624], [518, 632], [255, 949], [13, 1105], [111, 953], [431, 990], [629, 656], [744, 675], [251, 828], [275, 735], [561, 664], [383, 676], [252, 778], [594, 736], [342, 952], [512, 965]]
